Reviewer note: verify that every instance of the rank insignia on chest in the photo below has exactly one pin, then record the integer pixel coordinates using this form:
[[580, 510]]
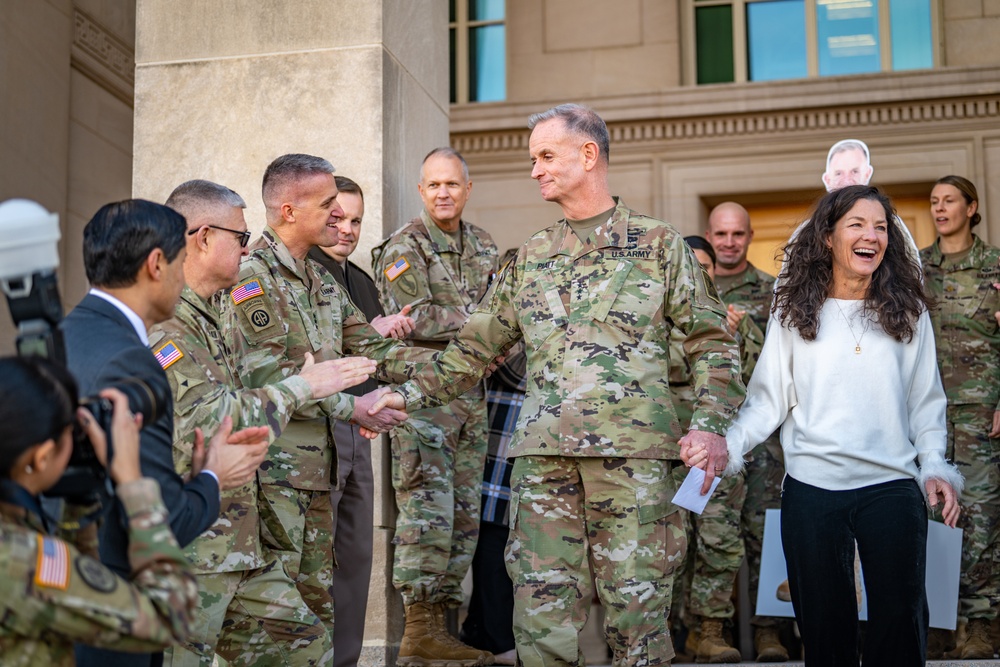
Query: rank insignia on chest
[[168, 354], [52, 569], [397, 269], [247, 290]]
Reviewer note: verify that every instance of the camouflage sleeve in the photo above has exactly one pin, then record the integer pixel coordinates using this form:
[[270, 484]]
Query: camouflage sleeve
[[200, 401], [402, 274], [491, 330], [751, 340], [73, 596], [695, 309], [263, 354]]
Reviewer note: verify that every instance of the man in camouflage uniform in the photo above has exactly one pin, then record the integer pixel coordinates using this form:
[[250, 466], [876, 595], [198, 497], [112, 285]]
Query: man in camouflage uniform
[[748, 291], [249, 607], [597, 445], [354, 498], [715, 549], [968, 340], [285, 307], [440, 266]]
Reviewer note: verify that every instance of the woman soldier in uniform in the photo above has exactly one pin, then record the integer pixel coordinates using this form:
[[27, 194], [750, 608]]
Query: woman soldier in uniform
[[959, 272], [53, 594]]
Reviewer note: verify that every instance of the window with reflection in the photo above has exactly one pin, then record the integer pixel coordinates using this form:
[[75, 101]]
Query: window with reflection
[[767, 40], [478, 42]]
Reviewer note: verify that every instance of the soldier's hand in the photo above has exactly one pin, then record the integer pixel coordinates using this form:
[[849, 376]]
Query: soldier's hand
[[705, 450], [388, 399], [951, 509], [733, 317], [494, 365], [124, 464], [377, 413], [368, 433], [398, 326], [235, 456], [995, 431], [335, 375]]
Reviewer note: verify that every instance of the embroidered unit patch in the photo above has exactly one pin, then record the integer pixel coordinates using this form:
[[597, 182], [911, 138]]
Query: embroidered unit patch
[[53, 563], [168, 354], [247, 290], [397, 269]]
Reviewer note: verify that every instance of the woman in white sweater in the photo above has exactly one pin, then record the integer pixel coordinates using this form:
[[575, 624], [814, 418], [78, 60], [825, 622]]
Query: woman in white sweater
[[849, 373]]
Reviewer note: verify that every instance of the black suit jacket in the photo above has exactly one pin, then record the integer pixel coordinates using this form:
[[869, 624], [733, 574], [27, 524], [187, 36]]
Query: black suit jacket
[[361, 288], [102, 347]]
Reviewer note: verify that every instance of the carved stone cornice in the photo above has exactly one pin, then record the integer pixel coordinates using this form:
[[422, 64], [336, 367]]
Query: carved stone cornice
[[914, 115], [103, 57]]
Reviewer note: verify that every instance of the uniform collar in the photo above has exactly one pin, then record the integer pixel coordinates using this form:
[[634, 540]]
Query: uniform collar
[[20, 506], [208, 309], [443, 241], [972, 259], [611, 234]]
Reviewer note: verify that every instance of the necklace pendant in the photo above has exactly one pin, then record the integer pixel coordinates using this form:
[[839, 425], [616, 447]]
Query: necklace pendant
[[857, 349]]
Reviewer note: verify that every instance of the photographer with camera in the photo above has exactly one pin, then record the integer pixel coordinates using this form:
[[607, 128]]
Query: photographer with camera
[[54, 593], [134, 257]]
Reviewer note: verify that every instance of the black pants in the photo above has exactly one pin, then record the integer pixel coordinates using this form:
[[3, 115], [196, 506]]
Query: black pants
[[490, 623], [818, 532]]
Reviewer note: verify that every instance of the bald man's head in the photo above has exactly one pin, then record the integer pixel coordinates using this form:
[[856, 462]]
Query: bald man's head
[[730, 234]]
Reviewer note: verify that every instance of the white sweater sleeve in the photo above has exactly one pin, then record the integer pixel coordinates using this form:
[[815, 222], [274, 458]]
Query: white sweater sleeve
[[770, 396], [926, 404]]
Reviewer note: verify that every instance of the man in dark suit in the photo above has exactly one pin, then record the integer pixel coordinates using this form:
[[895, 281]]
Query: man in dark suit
[[353, 500], [134, 257]]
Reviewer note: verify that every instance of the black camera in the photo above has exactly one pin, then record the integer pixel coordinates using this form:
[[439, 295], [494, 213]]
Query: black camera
[[28, 259], [84, 475]]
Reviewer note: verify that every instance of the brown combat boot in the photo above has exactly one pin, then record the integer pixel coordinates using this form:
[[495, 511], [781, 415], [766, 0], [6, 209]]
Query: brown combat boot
[[939, 642], [441, 626], [978, 645], [423, 645], [768, 645], [712, 647]]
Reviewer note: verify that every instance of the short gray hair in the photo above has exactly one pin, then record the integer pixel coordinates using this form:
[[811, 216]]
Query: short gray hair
[[446, 151], [848, 145], [191, 198], [580, 120], [288, 168]]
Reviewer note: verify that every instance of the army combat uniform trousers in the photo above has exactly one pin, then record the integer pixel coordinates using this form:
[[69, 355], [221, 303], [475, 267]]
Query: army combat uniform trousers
[[438, 456], [252, 617], [764, 472], [978, 458], [296, 526], [716, 551], [611, 516]]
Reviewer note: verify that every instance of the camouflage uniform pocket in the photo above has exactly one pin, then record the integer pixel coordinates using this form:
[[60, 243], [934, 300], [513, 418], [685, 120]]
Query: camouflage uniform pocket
[[636, 306], [654, 500]]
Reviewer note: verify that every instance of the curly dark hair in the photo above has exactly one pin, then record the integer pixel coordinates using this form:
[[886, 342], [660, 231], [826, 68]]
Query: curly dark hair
[[895, 296]]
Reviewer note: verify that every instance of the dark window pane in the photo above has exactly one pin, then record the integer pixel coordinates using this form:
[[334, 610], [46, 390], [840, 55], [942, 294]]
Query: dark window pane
[[713, 28], [453, 85], [911, 34], [487, 64], [776, 40], [848, 37], [486, 10], [451, 11]]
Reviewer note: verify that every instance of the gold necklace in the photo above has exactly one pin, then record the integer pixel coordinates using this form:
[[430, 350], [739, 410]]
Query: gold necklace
[[857, 341]]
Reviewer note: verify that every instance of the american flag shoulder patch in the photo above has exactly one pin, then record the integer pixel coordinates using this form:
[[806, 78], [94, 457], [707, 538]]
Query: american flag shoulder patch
[[167, 354], [247, 290], [397, 269], [52, 570]]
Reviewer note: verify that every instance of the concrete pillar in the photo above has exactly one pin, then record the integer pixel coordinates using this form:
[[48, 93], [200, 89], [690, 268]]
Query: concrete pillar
[[223, 88]]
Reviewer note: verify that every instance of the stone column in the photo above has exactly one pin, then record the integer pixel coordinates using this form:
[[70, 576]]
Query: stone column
[[223, 88]]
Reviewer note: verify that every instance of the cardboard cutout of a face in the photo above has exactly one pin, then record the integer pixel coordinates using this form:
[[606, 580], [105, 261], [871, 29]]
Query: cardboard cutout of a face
[[847, 163]]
